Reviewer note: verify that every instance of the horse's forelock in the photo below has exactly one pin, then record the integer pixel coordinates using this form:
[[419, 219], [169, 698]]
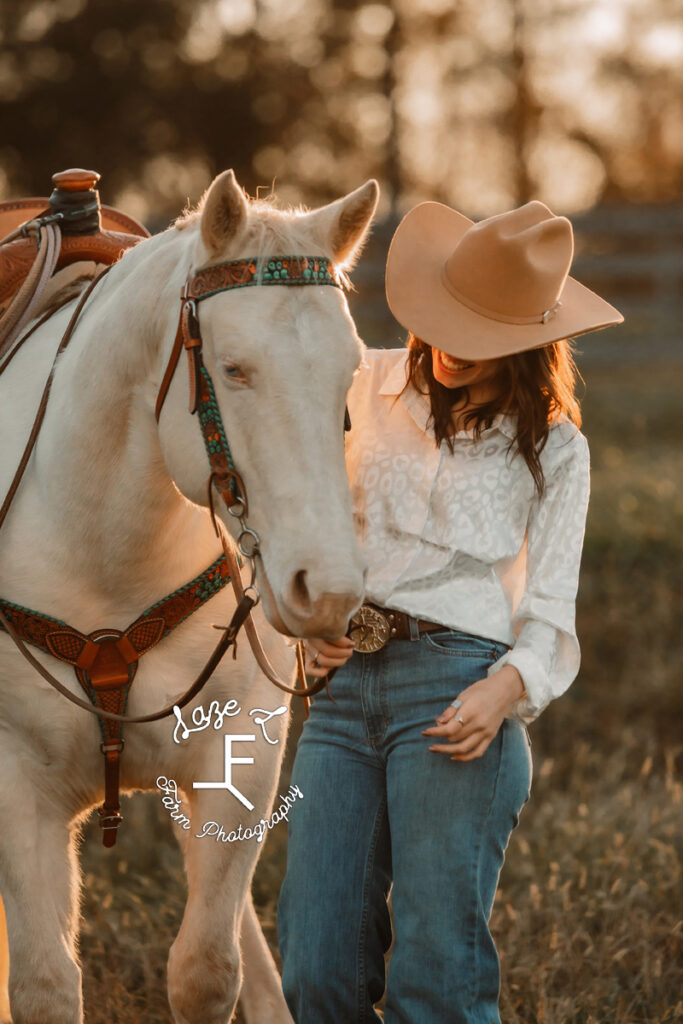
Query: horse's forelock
[[271, 231]]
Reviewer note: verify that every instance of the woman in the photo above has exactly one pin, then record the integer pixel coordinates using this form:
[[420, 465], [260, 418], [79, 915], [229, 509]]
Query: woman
[[470, 480]]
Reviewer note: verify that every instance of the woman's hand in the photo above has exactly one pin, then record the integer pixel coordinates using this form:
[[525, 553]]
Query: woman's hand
[[468, 729], [322, 655]]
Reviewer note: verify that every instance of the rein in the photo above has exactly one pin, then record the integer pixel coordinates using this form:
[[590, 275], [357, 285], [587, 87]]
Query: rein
[[106, 659], [38, 421]]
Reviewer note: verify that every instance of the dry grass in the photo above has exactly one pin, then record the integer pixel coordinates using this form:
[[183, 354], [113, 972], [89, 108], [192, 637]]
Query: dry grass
[[588, 914]]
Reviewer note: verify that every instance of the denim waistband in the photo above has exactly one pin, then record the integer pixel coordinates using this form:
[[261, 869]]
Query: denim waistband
[[499, 645]]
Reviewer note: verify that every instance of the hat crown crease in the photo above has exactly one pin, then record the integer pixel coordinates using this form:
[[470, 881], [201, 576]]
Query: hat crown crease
[[504, 270]]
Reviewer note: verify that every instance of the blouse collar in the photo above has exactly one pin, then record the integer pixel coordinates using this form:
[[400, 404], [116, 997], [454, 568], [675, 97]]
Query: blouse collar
[[419, 408]]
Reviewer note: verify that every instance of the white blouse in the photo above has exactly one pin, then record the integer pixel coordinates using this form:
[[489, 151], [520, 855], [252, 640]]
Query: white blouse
[[462, 539]]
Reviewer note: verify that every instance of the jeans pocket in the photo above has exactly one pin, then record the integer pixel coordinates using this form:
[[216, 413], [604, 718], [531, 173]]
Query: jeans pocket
[[462, 645]]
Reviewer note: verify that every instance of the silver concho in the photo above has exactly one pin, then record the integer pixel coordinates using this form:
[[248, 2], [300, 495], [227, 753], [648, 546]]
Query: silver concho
[[369, 629]]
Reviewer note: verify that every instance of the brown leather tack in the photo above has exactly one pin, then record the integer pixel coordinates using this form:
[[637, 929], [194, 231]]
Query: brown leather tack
[[16, 258]]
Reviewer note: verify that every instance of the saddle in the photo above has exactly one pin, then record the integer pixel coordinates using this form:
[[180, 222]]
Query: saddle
[[39, 237]]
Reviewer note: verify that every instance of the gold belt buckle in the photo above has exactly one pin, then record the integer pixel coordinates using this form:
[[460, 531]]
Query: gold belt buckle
[[369, 629]]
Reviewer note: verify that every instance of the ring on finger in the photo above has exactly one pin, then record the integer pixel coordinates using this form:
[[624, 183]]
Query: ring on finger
[[315, 662]]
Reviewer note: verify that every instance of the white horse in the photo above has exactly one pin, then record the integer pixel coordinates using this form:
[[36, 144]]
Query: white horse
[[111, 516]]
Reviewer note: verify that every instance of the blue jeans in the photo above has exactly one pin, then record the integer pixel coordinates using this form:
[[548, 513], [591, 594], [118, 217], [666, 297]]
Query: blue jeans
[[378, 807]]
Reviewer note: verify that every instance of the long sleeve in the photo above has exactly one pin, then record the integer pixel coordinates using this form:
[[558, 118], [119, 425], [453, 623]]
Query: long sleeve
[[546, 650]]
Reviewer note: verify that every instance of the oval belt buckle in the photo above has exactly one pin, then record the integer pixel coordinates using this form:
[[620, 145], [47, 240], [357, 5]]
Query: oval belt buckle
[[369, 630]]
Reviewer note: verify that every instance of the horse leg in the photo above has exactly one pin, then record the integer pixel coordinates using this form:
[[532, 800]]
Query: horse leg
[[204, 969], [204, 964], [261, 989], [39, 881], [261, 995], [4, 968]]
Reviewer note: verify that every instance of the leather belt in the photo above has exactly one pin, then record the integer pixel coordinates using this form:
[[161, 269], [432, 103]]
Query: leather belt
[[372, 627]]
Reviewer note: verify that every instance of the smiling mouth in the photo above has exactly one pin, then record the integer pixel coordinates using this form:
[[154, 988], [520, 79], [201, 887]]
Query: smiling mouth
[[452, 365]]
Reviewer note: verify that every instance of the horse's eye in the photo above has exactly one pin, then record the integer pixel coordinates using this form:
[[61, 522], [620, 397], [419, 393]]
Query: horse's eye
[[232, 371]]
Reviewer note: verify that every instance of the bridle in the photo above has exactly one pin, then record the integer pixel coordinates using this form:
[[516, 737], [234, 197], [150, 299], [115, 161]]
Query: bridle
[[283, 271], [288, 271]]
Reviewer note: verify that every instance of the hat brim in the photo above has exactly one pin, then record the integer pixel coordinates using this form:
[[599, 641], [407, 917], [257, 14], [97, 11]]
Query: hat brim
[[420, 301]]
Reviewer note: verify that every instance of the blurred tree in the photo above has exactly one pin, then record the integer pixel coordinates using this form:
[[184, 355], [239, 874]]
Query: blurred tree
[[158, 95], [638, 84], [524, 111], [482, 103], [598, 100]]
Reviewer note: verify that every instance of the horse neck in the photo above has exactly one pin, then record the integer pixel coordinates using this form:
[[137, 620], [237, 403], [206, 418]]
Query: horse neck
[[114, 511]]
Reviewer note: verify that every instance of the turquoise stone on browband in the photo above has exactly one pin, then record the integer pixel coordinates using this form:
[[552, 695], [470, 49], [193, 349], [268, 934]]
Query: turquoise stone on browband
[[315, 271]]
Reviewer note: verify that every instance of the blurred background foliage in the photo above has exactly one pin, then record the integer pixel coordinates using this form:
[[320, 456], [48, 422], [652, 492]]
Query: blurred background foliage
[[481, 104]]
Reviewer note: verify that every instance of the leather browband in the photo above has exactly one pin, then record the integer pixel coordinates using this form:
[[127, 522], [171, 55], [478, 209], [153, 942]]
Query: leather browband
[[278, 270]]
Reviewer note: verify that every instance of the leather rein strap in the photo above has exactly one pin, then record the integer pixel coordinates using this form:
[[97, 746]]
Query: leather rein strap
[[210, 281], [37, 423]]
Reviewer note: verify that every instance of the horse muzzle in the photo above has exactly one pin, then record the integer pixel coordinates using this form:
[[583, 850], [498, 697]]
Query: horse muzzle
[[303, 609]]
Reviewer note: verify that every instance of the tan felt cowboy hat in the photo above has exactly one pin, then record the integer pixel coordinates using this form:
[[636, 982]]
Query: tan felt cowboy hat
[[487, 289]]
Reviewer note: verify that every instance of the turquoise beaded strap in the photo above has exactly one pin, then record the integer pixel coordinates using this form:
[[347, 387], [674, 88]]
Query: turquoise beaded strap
[[285, 270]]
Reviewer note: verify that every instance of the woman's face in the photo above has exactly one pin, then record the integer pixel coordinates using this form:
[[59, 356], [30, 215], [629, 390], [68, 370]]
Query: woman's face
[[459, 373]]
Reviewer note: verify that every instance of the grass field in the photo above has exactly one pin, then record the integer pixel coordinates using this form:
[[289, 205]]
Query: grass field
[[588, 915]]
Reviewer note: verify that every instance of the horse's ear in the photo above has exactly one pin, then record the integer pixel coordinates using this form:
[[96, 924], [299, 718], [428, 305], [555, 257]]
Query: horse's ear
[[347, 220], [224, 213]]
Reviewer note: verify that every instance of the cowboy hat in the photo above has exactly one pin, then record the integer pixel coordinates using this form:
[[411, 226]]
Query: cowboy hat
[[488, 289]]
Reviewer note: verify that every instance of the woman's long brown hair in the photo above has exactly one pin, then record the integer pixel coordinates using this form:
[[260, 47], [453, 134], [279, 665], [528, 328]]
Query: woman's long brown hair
[[537, 386]]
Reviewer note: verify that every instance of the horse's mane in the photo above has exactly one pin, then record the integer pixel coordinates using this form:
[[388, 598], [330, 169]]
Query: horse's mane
[[269, 227]]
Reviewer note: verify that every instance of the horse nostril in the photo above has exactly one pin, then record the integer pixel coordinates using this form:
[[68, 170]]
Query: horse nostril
[[301, 598]]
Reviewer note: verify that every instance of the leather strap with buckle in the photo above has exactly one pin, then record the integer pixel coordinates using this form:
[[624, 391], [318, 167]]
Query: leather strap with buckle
[[372, 627]]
